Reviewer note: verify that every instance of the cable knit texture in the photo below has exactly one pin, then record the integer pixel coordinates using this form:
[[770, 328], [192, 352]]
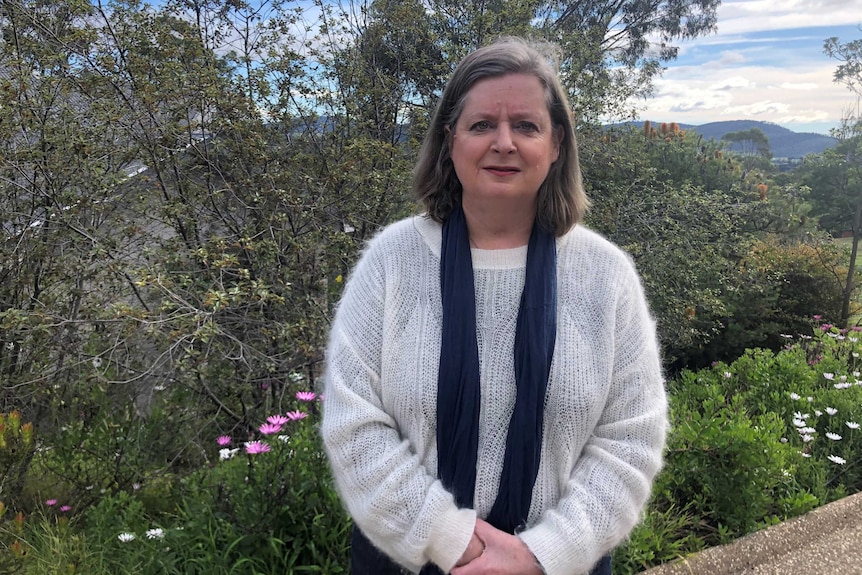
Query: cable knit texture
[[605, 407]]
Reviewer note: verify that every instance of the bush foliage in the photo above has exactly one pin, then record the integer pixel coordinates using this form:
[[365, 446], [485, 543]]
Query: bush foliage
[[184, 188], [754, 442], [764, 438], [240, 512]]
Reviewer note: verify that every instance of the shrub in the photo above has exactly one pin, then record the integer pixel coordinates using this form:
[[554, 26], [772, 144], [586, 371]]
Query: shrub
[[262, 506], [777, 288], [724, 465], [662, 536], [754, 442], [17, 447]]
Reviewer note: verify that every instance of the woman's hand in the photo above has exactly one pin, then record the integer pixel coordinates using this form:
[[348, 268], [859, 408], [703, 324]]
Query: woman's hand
[[503, 554], [474, 550]]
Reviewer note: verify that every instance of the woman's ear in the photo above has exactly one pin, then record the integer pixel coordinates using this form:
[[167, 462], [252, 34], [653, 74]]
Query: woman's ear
[[447, 133], [559, 136]]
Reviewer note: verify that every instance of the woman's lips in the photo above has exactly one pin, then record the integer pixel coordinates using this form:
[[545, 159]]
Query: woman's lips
[[502, 170]]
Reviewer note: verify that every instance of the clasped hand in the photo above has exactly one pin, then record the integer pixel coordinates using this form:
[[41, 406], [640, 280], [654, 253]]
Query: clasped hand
[[495, 552]]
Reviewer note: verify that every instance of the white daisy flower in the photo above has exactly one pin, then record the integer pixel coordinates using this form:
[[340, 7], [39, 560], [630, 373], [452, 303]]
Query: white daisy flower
[[833, 436], [126, 537], [155, 533], [227, 453], [836, 459], [831, 410]]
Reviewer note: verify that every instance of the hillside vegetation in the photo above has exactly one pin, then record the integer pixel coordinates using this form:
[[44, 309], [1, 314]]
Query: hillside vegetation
[[177, 224]]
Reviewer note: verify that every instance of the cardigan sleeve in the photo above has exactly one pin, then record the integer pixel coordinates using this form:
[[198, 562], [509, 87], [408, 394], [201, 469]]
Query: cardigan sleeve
[[398, 505], [611, 480]]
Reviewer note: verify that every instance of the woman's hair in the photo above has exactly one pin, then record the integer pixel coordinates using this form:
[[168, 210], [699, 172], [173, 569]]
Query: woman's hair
[[562, 201]]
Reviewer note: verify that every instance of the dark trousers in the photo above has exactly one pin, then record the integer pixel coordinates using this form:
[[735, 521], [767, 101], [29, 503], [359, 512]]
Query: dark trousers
[[366, 559]]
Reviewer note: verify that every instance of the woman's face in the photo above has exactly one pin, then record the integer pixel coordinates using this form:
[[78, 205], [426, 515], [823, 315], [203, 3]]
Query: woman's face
[[503, 142]]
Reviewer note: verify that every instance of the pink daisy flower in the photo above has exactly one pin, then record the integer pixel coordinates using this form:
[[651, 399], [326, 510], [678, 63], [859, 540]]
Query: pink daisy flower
[[65, 508], [51, 502], [256, 447], [305, 395], [296, 415], [270, 428], [277, 419], [223, 440]]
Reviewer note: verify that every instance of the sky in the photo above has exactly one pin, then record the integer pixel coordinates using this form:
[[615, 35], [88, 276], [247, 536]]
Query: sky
[[764, 63]]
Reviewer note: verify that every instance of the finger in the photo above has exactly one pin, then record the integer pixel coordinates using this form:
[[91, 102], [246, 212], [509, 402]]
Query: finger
[[485, 530], [475, 567]]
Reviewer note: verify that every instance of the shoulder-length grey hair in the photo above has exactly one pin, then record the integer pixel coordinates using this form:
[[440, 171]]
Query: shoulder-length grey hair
[[562, 201]]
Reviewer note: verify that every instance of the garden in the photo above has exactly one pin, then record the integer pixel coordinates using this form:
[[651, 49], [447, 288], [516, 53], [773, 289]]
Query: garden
[[185, 188], [765, 438]]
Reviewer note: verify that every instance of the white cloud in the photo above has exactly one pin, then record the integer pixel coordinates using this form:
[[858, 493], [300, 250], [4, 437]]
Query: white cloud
[[804, 117], [732, 83], [745, 16], [731, 57], [761, 108], [798, 98], [807, 86], [766, 63]]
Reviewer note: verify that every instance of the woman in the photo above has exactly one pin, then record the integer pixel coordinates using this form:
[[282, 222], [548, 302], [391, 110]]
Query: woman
[[494, 396]]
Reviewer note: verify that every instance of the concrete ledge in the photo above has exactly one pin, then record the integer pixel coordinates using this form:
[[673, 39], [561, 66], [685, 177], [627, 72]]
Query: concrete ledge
[[826, 541]]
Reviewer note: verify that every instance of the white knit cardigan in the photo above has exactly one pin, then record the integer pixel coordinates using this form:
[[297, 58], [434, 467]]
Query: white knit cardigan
[[605, 407]]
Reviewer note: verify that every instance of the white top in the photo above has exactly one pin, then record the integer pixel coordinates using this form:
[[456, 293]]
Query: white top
[[605, 408]]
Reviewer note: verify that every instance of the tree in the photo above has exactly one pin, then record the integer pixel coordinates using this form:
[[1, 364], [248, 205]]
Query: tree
[[835, 179], [752, 143], [183, 193], [693, 219], [835, 176], [649, 197], [185, 186], [849, 72], [611, 51], [614, 50]]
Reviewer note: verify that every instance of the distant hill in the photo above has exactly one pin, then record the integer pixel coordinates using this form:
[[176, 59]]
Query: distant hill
[[783, 142]]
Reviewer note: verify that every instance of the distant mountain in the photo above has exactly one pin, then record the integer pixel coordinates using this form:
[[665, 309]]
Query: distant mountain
[[784, 143]]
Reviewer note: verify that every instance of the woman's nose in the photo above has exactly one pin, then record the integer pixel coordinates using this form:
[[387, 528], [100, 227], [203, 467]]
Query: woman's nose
[[504, 143]]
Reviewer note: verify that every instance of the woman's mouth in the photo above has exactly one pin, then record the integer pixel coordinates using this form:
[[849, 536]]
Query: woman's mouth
[[502, 170]]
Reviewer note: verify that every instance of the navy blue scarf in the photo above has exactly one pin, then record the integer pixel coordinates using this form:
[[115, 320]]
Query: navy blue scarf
[[458, 392]]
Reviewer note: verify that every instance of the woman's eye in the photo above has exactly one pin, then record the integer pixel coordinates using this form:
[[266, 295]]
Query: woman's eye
[[527, 126], [481, 126]]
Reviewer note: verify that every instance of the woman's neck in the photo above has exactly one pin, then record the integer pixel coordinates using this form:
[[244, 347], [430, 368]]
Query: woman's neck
[[498, 225]]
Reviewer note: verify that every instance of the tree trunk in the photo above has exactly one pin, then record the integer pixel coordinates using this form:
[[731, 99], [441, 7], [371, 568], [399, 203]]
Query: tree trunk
[[851, 269]]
